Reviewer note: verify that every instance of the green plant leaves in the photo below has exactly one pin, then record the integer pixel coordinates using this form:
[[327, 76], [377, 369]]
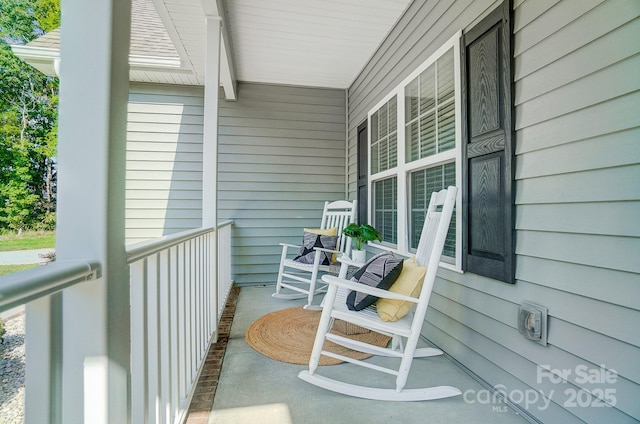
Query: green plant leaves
[[361, 234]]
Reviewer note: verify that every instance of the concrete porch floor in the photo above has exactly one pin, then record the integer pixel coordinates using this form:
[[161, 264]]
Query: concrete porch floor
[[255, 389]]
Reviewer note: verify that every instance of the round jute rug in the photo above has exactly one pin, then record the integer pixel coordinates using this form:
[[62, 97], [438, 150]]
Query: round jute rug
[[287, 336]]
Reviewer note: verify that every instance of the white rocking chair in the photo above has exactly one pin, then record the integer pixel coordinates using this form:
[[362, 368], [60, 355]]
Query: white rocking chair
[[300, 279], [407, 328]]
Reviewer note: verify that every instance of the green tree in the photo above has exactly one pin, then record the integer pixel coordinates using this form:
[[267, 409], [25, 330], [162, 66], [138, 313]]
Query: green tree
[[48, 14], [28, 116]]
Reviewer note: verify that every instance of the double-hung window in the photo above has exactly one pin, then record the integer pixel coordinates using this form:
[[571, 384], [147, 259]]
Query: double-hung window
[[415, 150], [384, 162], [418, 144]]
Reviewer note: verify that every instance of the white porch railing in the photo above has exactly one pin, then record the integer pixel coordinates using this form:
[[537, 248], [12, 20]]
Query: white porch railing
[[179, 285]]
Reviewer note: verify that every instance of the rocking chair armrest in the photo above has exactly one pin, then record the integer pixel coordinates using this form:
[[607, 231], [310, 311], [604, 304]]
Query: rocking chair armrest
[[363, 288], [388, 249], [322, 249], [297, 246], [344, 259]]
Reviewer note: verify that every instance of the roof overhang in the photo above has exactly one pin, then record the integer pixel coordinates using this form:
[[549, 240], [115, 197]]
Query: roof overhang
[[311, 43], [155, 28], [46, 60]]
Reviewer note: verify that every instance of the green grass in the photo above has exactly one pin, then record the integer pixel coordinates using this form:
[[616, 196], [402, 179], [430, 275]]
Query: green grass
[[27, 241], [10, 269]]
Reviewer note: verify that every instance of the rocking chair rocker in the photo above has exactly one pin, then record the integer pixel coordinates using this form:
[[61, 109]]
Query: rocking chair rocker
[[406, 328], [300, 278]]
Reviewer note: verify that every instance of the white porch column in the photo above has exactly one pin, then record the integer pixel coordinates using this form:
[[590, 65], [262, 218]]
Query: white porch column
[[91, 191], [210, 132], [210, 148]]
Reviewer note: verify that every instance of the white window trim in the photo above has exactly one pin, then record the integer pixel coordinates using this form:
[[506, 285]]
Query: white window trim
[[403, 169]]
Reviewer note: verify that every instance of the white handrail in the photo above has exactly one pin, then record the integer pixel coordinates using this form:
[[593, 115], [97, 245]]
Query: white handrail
[[147, 248], [179, 285], [19, 288]]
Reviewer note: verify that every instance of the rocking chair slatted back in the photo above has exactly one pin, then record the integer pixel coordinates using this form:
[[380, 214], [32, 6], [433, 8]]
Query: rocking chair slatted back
[[339, 214], [405, 331], [301, 279], [430, 246], [429, 229]]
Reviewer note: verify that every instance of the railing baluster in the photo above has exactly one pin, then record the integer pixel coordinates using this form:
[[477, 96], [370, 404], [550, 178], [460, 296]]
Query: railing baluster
[[213, 274], [209, 281], [177, 300], [153, 341], [182, 322], [193, 278], [204, 340], [164, 335], [173, 330], [198, 299], [139, 370]]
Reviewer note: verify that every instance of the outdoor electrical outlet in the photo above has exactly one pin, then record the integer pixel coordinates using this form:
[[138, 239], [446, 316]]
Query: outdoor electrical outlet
[[532, 322]]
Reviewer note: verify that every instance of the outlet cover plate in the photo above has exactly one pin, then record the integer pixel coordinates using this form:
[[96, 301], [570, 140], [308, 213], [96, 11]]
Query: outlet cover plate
[[532, 322]]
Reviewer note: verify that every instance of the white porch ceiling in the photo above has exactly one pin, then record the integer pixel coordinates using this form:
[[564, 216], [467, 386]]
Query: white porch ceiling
[[319, 43]]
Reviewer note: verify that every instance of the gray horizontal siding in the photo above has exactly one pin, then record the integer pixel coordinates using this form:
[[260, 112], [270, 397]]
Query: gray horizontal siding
[[577, 98], [164, 161], [281, 155]]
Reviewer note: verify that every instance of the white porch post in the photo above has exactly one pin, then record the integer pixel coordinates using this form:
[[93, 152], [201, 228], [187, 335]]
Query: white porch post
[[210, 147], [90, 223], [210, 131]]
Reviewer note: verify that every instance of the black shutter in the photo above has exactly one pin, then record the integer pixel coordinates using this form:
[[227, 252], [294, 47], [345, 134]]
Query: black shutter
[[363, 174], [488, 164]]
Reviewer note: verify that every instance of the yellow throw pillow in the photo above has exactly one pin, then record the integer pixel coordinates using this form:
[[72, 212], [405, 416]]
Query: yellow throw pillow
[[409, 283], [328, 232], [333, 231]]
